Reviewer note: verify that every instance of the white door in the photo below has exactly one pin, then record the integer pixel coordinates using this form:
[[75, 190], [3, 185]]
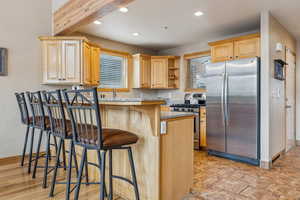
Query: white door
[[290, 88]]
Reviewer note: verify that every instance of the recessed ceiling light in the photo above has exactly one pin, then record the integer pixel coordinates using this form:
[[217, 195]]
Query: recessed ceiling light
[[97, 22], [198, 13], [135, 34], [123, 9]]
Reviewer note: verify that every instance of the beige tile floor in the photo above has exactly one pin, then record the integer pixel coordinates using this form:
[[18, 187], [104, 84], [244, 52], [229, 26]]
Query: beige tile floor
[[220, 179]]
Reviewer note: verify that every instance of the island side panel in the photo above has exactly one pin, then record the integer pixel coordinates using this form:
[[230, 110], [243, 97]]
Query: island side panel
[[144, 121], [177, 159]]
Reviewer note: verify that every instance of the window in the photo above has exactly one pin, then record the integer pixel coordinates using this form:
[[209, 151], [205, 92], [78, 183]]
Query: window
[[113, 70], [196, 70]]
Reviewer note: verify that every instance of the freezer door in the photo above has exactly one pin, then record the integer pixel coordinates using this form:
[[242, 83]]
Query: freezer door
[[214, 77], [242, 107]]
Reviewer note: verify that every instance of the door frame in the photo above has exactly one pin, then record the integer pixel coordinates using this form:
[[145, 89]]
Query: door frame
[[287, 50]]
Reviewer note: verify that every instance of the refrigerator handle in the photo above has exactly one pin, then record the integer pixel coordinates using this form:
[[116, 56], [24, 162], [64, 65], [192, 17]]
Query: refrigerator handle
[[223, 98], [226, 99]]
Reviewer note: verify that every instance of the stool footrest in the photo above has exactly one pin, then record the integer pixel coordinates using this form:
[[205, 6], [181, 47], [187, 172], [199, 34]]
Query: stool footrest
[[123, 179]]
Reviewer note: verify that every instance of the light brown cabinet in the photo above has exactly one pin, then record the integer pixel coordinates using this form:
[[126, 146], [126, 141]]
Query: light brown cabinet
[[155, 72], [247, 46], [222, 52], [203, 127], [164, 72], [87, 77], [69, 61], [159, 72], [95, 65], [141, 71]]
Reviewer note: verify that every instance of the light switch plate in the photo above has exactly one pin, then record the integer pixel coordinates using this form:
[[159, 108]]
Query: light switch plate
[[163, 127]]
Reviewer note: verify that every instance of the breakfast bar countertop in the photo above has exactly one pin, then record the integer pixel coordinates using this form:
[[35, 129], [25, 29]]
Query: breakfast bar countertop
[[175, 115], [131, 101]]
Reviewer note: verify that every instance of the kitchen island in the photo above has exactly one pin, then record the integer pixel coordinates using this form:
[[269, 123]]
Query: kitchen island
[[163, 162]]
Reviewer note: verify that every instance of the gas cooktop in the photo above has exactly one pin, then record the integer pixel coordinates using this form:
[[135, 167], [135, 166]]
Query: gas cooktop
[[187, 105]]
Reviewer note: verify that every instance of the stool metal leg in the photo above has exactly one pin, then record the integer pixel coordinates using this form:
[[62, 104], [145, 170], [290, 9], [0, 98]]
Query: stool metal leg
[[30, 151], [83, 159], [25, 146], [86, 171], [69, 175], [37, 156], [51, 194], [110, 176], [136, 190], [102, 174], [64, 155], [100, 162], [75, 157], [47, 160]]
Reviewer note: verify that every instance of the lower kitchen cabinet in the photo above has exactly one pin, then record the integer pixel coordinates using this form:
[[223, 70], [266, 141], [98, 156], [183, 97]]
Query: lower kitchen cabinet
[[70, 61], [203, 127], [177, 159]]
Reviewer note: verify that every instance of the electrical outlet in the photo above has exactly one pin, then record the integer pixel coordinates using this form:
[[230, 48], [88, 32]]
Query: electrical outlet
[[163, 127]]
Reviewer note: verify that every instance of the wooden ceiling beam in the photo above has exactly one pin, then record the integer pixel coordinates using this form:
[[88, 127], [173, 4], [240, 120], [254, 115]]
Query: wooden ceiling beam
[[76, 13]]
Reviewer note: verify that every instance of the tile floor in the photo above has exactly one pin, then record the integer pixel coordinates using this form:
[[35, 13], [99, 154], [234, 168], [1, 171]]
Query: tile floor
[[215, 179], [220, 179]]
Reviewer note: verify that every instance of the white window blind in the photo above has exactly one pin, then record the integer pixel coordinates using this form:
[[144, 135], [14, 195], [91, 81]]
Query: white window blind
[[196, 70], [112, 71]]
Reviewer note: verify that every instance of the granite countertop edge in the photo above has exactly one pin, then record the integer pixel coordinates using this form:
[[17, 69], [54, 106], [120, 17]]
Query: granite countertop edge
[[173, 115]]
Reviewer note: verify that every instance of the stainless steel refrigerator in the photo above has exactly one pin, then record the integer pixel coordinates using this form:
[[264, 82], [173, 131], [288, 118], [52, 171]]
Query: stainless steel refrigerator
[[233, 109]]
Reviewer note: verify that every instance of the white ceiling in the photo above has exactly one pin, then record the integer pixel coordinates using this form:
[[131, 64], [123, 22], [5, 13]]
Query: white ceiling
[[221, 18]]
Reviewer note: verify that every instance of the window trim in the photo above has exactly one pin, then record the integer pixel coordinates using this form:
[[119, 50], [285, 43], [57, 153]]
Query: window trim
[[188, 57], [128, 58]]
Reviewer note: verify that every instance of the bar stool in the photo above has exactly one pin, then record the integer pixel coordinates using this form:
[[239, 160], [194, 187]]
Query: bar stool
[[62, 129], [41, 121], [88, 133], [25, 119]]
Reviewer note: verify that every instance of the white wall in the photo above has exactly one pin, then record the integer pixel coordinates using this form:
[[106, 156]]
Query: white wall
[[56, 4], [265, 87], [21, 22], [298, 93], [272, 90]]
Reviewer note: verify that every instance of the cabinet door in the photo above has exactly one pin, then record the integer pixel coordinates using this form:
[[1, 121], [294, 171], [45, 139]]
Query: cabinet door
[[51, 61], [87, 79], [222, 52], [159, 73], [145, 73], [247, 48], [71, 61], [95, 65]]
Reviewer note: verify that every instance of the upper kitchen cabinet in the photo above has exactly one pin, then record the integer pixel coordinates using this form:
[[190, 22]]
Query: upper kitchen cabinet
[[95, 63], [247, 46], [164, 72], [222, 52], [69, 61], [141, 71]]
